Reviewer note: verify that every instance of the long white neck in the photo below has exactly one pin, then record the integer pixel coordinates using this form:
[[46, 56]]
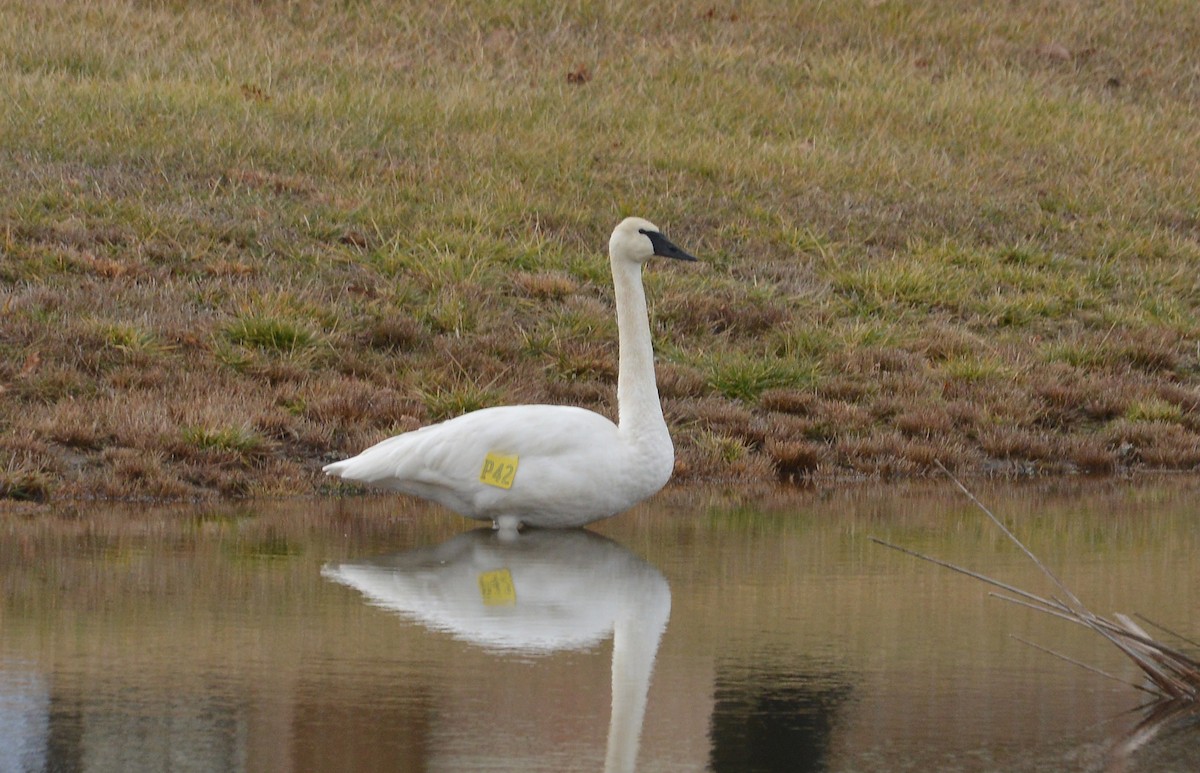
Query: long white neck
[[639, 411]]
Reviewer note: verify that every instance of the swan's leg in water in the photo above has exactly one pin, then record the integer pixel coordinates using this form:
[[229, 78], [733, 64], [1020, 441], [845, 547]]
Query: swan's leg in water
[[507, 525]]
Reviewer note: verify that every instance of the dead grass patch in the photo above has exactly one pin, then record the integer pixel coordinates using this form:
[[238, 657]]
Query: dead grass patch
[[833, 419], [1092, 456], [1156, 444], [709, 455], [680, 381], [1186, 397], [546, 285], [1017, 444], [1174, 450], [967, 416], [788, 401], [141, 475], [1152, 351], [944, 342], [877, 455], [723, 419], [393, 334], [357, 403], [727, 314], [924, 421], [584, 360], [885, 360], [24, 480], [1093, 398], [795, 460], [848, 389]]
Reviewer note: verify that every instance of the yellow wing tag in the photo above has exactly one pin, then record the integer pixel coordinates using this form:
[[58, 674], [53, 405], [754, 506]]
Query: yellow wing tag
[[497, 589], [498, 470]]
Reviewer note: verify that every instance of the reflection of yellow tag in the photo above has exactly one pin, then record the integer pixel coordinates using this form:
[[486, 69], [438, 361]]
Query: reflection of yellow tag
[[496, 588], [498, 470]]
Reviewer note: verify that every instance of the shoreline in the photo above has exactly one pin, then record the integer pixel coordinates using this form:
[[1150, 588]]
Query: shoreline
[[767, 495]]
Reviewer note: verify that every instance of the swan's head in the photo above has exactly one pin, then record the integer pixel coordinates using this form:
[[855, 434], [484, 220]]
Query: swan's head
[[638, 240]]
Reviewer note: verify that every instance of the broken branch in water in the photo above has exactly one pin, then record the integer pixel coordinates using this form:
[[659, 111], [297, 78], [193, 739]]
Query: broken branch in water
[[1172, 674]]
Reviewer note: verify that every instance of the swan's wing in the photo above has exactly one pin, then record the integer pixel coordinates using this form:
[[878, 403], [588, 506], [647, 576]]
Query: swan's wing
[[453, 453]]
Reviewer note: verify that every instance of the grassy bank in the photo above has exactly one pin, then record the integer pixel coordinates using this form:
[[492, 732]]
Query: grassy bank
[[240, 239]]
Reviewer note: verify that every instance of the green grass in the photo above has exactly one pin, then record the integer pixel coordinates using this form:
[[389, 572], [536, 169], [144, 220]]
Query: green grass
[[324, 221], [132, 340], [270, 334], [1154, 409], [241, 440], [975, 368], [744, 377], [448, 402], [724, 449]]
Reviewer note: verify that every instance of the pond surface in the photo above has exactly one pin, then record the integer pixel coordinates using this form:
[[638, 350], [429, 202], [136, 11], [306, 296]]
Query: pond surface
[[703, 631]]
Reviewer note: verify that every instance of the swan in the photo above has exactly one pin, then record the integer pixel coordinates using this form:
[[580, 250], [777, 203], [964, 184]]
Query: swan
[[549, 466]]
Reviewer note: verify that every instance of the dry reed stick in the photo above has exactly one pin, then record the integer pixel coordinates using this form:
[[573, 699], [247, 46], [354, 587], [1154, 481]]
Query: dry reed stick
[[1174, 675]]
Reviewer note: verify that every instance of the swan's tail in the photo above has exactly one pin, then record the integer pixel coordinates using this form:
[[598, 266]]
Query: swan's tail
[[381, 461], [336, 469]]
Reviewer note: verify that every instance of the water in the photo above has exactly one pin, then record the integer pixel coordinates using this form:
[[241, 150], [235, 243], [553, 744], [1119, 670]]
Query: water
[[708, 631]]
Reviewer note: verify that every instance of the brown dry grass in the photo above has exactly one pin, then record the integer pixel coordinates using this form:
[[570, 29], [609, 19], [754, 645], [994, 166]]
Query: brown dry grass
[[241, 239]]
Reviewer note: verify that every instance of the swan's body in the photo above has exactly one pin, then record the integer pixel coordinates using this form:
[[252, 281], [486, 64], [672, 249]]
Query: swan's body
[[570, 466]]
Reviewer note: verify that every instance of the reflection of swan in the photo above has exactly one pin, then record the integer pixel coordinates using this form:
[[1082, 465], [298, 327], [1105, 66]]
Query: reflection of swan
[[539, 592], [547, 465], [24, 717]]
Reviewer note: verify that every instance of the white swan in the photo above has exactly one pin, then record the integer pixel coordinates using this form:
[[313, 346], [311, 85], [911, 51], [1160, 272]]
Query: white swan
[[547, 465]]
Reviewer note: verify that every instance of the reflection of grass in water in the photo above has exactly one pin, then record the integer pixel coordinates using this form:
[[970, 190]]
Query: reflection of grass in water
[[273, 546], [1079, 526]]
